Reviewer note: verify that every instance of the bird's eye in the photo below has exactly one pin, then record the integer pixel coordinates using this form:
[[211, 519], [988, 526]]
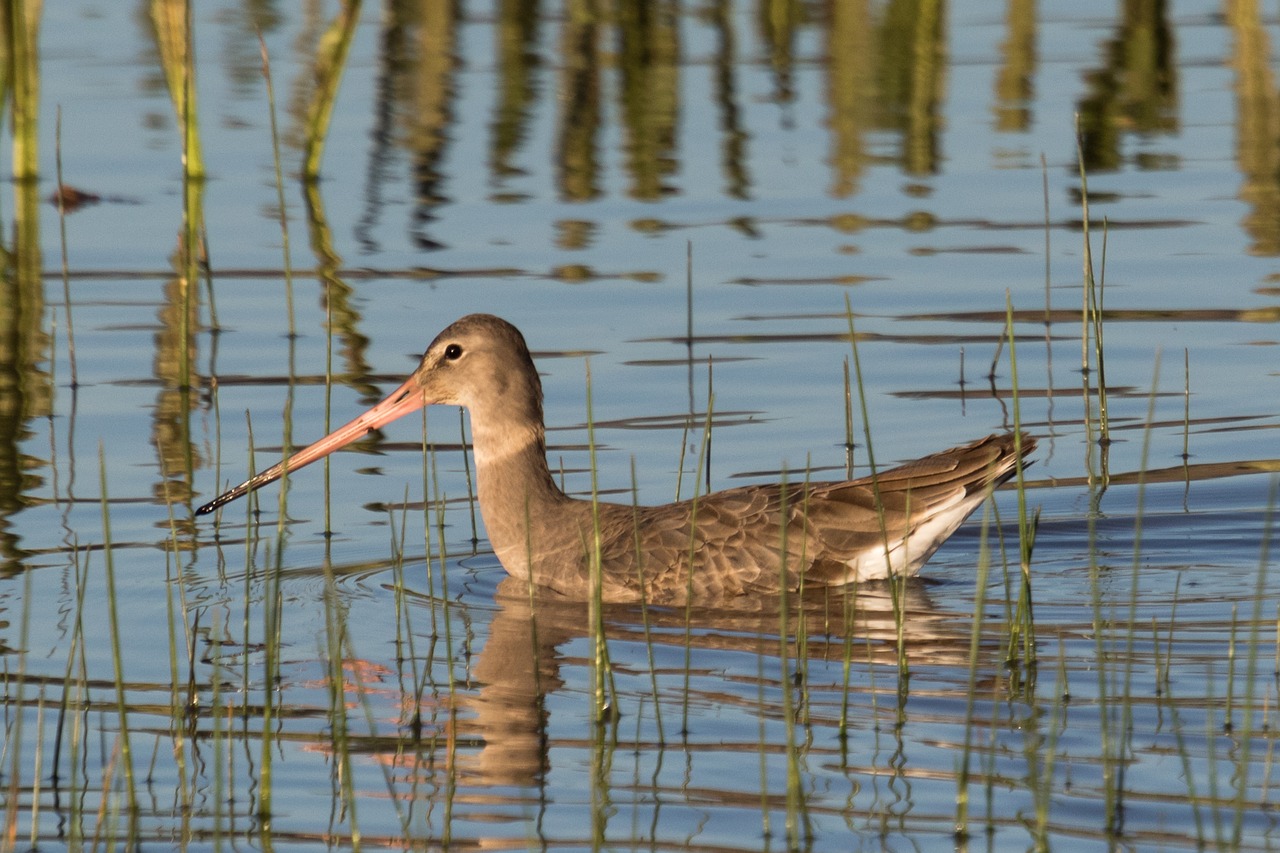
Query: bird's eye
[[453, 352]]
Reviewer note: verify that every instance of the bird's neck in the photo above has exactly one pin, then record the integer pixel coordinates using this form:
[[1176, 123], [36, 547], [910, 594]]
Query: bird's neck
[[518, 498]]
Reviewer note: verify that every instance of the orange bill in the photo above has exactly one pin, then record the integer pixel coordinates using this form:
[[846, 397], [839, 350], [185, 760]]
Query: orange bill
[[405, 399]]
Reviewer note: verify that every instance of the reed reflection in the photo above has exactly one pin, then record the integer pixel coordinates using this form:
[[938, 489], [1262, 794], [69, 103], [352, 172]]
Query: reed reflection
[[26, 386], [1136, 87], [733, 142], [850, 92], [1258, 112], [911, 78], [649, 55], [577, 159], [521, 663], [1015, 79], [415, 105], [517, 34], [175, 347]]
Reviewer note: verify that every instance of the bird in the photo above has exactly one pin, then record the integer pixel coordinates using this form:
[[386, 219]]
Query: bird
[[761, 539]]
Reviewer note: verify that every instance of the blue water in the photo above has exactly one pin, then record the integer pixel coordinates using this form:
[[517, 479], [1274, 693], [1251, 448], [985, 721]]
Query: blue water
[[777, 235]]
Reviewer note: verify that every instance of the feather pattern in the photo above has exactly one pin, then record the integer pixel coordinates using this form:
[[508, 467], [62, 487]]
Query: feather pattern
[[750, 540]]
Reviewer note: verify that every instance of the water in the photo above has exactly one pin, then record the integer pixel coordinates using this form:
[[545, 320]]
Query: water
[[572, 175]]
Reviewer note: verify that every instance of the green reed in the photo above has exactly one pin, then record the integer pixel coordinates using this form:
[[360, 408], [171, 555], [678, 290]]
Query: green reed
[[796, 823], [437, 506], [895, 580], [1184, 755], [174, 27], [848, 423], [250, 536], [802, 632], [113, 622], [1123, 746], [1186, 407], [1022, 640], [604, 691], [62, 245], [74, 693], [13, 740], [644, 606], [1245, 731], [766, 824], [272, 625], [182, 708], [429, 487], [704, 458], [849, 616], [470, 479], [975, 645], [1043, 787], [363, 695], [332, 653], [406, 651], [1091, 311], [37, 772], [282, 209]]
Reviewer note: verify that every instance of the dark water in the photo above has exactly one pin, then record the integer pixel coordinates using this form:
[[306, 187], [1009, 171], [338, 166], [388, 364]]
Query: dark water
[[683, 199]]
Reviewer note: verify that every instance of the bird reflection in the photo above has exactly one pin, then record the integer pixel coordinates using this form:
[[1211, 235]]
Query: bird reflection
[[521, 662]]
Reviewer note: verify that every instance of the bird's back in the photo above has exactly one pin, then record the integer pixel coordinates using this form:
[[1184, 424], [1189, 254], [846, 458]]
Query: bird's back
[[766, 538]]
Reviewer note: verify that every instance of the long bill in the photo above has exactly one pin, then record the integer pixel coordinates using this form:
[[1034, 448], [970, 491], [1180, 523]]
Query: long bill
[[405, 399]]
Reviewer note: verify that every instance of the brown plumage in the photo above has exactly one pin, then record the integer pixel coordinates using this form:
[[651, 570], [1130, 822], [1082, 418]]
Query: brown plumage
[[752, 539]]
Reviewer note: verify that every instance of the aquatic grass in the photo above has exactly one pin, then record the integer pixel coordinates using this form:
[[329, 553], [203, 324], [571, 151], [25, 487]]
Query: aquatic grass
[[604, 745], [1184, 755], [74, 701], [13, 739], [37, 772], [644, 608], [282, 208], [173, 27], [62, 244], [174, 31], [1240, 775], [1091, 311], [802, 625], [430, 486], [1186, 411], [437, 504], [849, 446], [796, 823], [1042, 790], [703, 458], [331, 653], [220, 721], [470, 481], [363, 694], [404, 643], [1022, 640], [182, 709], [893, 578], [113, 624], [849, 604], [766, 821], [1123, 746], [272, 622], [604, 690], [975, 643]]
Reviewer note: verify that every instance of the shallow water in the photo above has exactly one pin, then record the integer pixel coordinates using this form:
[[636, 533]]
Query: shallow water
[[683, 203]]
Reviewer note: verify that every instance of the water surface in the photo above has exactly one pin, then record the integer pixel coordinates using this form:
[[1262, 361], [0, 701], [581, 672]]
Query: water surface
[[688, 203]]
